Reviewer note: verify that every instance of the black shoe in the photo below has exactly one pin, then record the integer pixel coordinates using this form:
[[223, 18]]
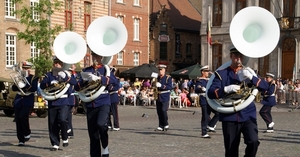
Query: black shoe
[[21, 144], [105, 155], [65, 144], [54, 148]]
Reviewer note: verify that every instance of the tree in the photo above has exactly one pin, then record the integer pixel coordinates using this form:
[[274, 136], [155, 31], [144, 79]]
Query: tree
[[37, 19]]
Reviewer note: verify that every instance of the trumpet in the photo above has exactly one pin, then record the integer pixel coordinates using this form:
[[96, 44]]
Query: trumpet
[[19, 80], [155, 90]]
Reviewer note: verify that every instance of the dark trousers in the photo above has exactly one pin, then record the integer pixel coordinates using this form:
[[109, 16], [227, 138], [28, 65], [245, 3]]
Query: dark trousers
[[115, 114], [97, 128], [204, 119], [57, 121], [161, 109], [265, 113], [70, 125], [212, 121], [232, 135], [22, 122]]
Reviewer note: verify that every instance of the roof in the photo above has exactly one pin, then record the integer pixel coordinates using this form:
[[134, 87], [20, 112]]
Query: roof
[[181, 12]]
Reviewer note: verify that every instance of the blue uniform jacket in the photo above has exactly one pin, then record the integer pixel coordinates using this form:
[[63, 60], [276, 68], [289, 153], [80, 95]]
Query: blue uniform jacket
[[202, 82], [268, 92], [20, 100], [227, 77], [72, 96], [113, 91], [166, 85], [104, 98], [46, 82]]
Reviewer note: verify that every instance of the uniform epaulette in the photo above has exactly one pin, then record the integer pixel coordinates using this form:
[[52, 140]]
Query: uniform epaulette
[[217, 73]]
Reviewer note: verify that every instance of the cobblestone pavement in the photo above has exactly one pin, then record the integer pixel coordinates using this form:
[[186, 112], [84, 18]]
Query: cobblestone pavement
[[137, 137]]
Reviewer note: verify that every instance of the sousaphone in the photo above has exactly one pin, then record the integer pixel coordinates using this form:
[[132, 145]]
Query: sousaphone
[[254, 32], [70, 48], [106, 36]]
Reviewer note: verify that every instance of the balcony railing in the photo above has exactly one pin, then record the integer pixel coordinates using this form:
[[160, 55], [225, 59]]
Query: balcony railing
[[289, 23]]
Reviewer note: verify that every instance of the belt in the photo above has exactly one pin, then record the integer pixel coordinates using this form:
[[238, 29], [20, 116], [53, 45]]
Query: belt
[[72, 94], [64, 96], [113, 92], [166, 91], [105, 92], [202, 94], [23, 94], [269, 95]]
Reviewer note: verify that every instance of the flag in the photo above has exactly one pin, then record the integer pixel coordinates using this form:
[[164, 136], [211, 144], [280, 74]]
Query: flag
[[208, 32], [208, 29]]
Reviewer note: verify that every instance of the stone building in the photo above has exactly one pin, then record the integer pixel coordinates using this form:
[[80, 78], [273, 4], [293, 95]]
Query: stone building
[[174, 33], [281, 61]]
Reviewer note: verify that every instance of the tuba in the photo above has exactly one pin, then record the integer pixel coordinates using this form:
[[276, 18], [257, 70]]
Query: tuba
[[106, 36], [19, 79], [70, 48], [255, 36]]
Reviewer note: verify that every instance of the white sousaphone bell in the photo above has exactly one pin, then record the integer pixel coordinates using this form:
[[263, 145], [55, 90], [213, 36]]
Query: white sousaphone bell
[[106, 36], [254, 32], [70, 48]]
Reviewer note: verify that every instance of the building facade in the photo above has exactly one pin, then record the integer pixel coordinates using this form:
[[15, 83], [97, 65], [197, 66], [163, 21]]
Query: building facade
[[174, 33], [135, 16], [283, 61]]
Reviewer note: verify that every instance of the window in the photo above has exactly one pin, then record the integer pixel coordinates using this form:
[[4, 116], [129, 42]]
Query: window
[[10, 8], [136, 27], [216, 56], [87, 58], [120, 58], [136, 2], [87, 15], [265, 4], [68, 14], [35, 14], [121, 18], [163, 29], [289, 11], [34, 51], [217, 13], [163, 51], [136, 59], [120, 1], [188, 50], [10, 49], [240, 4]]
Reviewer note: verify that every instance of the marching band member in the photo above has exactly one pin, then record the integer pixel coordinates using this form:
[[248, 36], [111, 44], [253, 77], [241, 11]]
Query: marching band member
[[58, 108], [114, 100], [226, 81], [99, 108], [200, 88], [164, 86], [268, 102], [23, 104], [72, 101]]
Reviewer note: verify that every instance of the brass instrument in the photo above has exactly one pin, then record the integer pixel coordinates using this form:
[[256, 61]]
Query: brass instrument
[[18, 78], [255, 36], [155, 90]]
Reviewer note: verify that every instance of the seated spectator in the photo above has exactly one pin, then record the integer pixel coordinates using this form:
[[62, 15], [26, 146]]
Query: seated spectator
[[130, 94], [143, 96], [151, 96], [137, 83], [184, 98], [147, 83]]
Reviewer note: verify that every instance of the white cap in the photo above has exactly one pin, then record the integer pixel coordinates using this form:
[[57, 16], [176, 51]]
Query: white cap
[[206, 67], [160, 66], [270, 75]]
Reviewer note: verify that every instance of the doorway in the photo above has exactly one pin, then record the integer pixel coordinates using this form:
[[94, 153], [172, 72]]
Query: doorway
[[288, 58]]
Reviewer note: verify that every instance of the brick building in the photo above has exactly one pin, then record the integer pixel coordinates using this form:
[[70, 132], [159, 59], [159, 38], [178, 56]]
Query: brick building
[[135, 16], [174, 33]]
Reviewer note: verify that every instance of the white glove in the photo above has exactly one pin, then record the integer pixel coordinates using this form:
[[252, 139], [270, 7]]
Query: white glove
[[54, 82], [203, 89], [251, 71], [158, 84], [232, 88], [21, 84], [93, 77], [62, 74], [245, 74]]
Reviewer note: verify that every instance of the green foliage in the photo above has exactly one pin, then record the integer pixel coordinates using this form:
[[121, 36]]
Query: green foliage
[[39, 30]]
